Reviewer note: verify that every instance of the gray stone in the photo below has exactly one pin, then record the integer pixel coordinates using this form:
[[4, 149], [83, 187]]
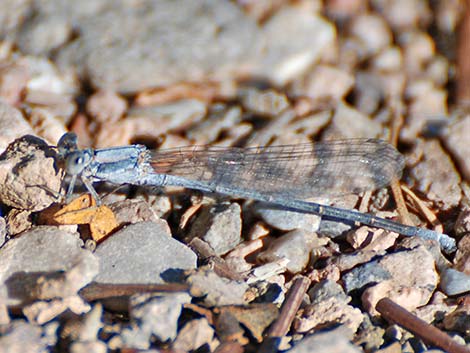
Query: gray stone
[[286, 220], [22, 337], [161, 42], [147, 313], [327, 342], [364, 275], [37, 253], [326, 289], [141, 253], [295, 38], [454, 282], [220, 226]]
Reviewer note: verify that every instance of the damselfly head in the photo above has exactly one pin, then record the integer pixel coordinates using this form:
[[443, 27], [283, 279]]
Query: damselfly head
[[76, 161]]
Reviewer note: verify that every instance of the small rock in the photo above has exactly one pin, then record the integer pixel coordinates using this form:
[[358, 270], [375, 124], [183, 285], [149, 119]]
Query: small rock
[[454, 282], [428, 104], [3, 231], [41, 312], [455, 139], [286, 220], [22, 337], [219, 225], [50, 333], [91, 325], [219, 120], [41, 250], [42, 35], [19, 221], [359, 124], [412, 283], [133, 211], [215, 290], [418, 51], [106, 107], [327, 289], [328, 313], [367, 238], [254, 317], [4, 315], [372, 31], [47, 124], [141, 253], [28, 175], [406, 13], [294, 246], [12, 125], [364, 275], [336, 340], [458, 320], [88, 347], [195, 334], [269, 102], [152, 121], [325, 84], [295, 38], [436, 175], [13, 79], [390, 59], [147, 312], [462, 256]]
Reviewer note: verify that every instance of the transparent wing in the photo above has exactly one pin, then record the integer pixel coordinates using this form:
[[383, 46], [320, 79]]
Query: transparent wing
[[298, 171]]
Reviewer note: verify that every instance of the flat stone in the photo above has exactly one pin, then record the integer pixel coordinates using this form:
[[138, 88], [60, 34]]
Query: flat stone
[[454, 282], [219, 225], [332, 341], [412, 283], [141, 253], [364, 275], [41, 251], [157, 44]]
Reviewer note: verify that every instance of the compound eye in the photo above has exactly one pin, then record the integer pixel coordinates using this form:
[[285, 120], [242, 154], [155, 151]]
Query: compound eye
[[76, 162]]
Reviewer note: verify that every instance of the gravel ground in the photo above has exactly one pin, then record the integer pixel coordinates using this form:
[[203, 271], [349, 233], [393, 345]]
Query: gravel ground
[[152, 269]]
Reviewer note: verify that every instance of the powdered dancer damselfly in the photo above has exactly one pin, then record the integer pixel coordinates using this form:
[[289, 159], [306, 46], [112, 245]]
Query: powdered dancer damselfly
[[282, 175]]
